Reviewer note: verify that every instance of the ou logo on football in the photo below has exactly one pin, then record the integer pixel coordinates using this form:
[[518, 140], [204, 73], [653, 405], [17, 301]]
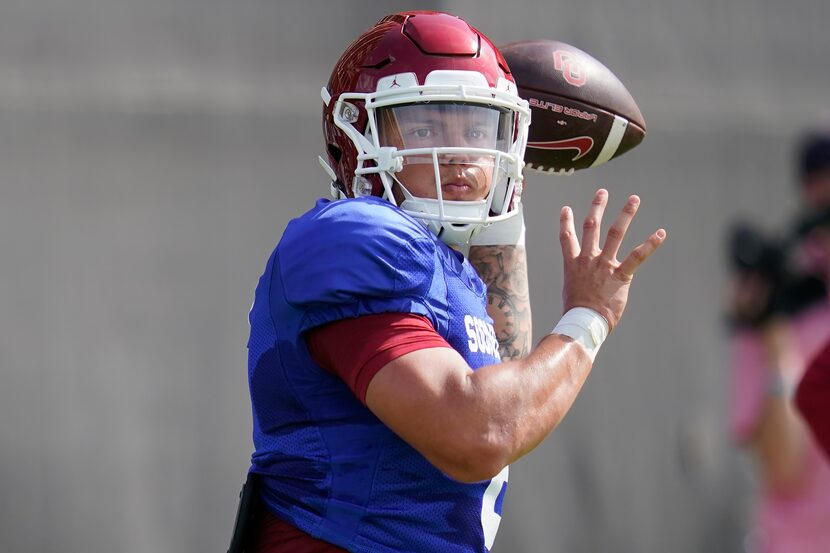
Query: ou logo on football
[[573, 71]]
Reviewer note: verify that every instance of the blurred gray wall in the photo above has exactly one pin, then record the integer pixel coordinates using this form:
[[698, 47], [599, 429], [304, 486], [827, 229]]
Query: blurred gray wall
[[151, 154]]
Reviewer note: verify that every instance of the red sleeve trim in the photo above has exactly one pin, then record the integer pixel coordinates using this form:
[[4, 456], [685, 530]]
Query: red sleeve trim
[[356, 349]]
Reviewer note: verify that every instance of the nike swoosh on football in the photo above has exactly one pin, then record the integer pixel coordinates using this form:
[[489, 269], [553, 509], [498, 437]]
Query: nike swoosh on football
[[582, 144]]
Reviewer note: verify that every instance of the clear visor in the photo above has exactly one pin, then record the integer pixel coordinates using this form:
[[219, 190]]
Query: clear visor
[[446, 125], [450, 151]]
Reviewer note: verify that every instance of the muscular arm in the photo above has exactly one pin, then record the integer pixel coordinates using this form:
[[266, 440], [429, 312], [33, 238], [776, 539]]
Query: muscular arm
[[470, 424], [504, 270]]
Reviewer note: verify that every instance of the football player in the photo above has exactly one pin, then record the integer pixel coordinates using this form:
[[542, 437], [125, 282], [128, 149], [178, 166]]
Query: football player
[[391, 376]]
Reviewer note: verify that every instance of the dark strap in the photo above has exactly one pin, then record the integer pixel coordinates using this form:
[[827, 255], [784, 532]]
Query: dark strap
[[246, 519]]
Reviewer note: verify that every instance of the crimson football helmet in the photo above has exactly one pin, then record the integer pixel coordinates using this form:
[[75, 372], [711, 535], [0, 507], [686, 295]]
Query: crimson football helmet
[[424, 101]]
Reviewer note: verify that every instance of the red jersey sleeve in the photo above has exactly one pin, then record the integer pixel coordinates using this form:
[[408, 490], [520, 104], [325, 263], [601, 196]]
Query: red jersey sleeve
[[356, 349], [813, 397]]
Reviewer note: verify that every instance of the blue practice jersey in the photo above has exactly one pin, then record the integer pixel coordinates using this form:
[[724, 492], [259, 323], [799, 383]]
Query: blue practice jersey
[[330, 467]]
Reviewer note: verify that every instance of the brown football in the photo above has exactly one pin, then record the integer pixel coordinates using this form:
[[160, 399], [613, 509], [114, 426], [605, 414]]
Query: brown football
[[581, 114]]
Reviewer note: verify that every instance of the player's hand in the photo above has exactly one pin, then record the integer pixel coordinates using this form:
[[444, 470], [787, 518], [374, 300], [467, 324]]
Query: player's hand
[[593, 276]]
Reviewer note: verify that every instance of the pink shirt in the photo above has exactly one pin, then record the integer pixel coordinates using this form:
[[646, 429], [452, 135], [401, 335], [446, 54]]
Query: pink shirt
[[795, 522]]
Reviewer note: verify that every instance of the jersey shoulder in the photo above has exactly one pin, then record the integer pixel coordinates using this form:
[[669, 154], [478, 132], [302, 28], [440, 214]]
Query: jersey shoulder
[[341, 251]]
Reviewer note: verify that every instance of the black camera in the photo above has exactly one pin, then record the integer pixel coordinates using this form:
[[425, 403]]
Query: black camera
[[790, 289]]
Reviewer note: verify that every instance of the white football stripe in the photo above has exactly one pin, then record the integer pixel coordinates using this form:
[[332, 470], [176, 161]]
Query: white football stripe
[[613, 141]]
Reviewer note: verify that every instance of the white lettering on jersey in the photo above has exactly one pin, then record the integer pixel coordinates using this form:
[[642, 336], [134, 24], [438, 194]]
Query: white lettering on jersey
[[481, 336], [490, 519], [468, 324]]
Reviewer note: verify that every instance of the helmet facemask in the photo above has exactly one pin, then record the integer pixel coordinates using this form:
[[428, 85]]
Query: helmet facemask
[[448, 153]]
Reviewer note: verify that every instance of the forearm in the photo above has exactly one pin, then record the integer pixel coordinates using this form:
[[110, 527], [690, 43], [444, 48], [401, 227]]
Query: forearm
[[470, 424], [779, 443], [780, 438], [529, 397], [504, 270]]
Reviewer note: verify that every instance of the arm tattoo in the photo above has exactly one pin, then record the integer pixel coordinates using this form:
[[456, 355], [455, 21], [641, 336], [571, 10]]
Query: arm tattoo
[[504, 270]]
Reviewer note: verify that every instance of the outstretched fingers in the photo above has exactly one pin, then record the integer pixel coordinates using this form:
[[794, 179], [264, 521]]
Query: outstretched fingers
[[617, 231], [639, 254], [593, 221], [567, 234]]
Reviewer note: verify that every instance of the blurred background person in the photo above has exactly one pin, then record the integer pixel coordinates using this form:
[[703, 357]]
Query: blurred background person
[[780, 319]]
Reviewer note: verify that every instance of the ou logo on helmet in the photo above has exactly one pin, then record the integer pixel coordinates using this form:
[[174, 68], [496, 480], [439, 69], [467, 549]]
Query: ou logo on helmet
[[573, 71]]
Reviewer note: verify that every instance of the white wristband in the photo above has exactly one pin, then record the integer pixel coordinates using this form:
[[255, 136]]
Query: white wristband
[[779, 385], [585, 326]]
